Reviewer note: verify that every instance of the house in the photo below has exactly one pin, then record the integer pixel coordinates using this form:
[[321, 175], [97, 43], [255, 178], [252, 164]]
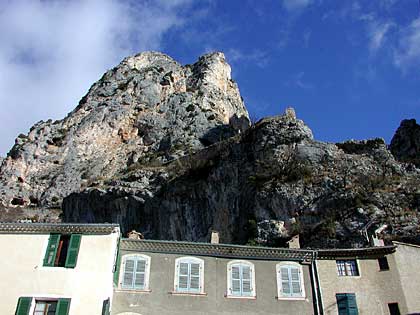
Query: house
[[166, 277], [57, 269]]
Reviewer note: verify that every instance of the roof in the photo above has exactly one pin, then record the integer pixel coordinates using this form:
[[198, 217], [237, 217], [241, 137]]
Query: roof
[[360, 253], [46, 228], [217, 250], [405, 244]]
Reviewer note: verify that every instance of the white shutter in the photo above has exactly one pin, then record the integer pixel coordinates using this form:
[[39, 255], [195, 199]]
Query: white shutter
[[246, 280], [128, 275], [194, 277], [236, 280], [140, 280], [295, 281], [183, 276], [285, 282]]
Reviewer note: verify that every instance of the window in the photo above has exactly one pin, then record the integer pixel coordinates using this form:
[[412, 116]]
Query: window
[[347, 268], [62, 250], [383, 263], [290, 280], [189, 275], [136, 270], [42, 306], [394, 309], [241, 279], [45, 307], [346, 304]]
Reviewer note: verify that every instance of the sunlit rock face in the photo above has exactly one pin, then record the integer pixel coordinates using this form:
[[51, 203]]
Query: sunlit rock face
[[148, 108], [167, 150]]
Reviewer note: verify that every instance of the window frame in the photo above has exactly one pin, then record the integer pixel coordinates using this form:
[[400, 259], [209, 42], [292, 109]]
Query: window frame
[[291, 296], [126, 257], [229, 293], [189, 260], [348, 310], [61, 301], [53, 246], [347, 271]]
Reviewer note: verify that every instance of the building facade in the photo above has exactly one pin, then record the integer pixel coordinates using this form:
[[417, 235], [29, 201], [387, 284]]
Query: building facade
[[88, 269], [57, 269], [158, 277]]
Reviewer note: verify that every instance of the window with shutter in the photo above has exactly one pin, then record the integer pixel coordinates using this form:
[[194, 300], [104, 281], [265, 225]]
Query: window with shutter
[[135, 275], [23, 306], [346, 304], [241, 279], [189, 272], [62, 250], [290, 280], [63, 307]]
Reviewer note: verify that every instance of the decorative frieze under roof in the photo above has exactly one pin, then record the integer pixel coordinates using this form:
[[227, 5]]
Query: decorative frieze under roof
[[251, 252], [63, 228], [217, 250], [356, 253]]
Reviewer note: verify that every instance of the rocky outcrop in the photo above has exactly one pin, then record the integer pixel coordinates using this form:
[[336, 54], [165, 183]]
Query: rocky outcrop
[[405, 145], [274, 172], [149, 109], [167, 150]]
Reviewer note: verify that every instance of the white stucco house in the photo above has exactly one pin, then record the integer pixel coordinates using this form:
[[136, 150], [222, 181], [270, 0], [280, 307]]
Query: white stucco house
[[57, 269]]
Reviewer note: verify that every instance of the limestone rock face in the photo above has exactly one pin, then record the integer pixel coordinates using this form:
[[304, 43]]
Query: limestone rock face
[[273, 172], [405, 145], [147, 109], [167, 150]]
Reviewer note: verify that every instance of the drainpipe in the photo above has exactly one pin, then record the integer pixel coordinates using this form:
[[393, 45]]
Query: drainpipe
[[316, 287]]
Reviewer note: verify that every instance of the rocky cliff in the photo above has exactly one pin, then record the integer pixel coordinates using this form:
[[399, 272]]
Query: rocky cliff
[[405, 145], [167, 150]]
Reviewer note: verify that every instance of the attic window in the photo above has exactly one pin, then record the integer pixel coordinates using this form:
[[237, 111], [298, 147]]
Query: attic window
[[383, 263], [347, 267], [62, 250]]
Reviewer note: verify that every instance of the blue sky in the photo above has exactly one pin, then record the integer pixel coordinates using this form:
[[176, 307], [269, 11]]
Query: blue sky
[[351, 69]]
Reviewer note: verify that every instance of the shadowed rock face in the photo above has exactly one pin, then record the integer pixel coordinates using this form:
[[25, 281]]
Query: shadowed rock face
[[147, 109], [167, 150], [405, 145]]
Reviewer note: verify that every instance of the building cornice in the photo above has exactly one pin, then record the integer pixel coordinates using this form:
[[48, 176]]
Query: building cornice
[[64, 228], [357, 253], [217, 250]]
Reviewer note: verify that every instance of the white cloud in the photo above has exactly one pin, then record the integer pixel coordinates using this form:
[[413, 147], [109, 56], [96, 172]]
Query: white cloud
[[377, 32], [407, 54], [256, 57], [52, 51], [296, 5]]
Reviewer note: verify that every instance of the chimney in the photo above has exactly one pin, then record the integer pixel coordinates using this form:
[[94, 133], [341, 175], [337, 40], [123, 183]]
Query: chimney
[[214, 237], [135, 235], [294, 242]]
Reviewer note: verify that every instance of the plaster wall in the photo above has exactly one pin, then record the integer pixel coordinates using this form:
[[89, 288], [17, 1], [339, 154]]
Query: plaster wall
[[374, 289], [161, 300], [408, 262], [22, 273]]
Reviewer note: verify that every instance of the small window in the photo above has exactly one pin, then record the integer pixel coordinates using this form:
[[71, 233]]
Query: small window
[[136, 270], [189, 274], [347, 268], [394, 309], [62, 250], [346, 304], [241, 279], [45, 307], [289, 280], [383, 263], [42, 306]]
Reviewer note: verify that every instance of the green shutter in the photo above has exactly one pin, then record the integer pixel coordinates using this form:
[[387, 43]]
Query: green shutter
[[105, 307], [117, 265], [346, 303], [351, 303], [63, 307], [73, 250], [51, 250], [24, 304]]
